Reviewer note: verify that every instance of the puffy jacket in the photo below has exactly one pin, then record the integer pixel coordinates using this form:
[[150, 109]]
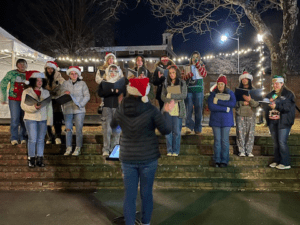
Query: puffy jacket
[[31, 113], [138, 122], [80, 91], [219, 117], [58, 80], [285, 104]]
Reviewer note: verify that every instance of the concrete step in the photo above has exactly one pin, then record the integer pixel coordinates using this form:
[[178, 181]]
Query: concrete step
[[177, 183], [94, 172]]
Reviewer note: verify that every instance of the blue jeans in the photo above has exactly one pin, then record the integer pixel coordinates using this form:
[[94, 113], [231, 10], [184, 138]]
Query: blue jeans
[[221, 144], [133, 174], [194, 100], [173, 139], [281, 148], [16, 119], [36, 137], [78, 120]]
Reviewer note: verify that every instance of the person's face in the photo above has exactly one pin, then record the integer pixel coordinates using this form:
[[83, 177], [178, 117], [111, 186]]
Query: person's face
[[139, 62], [172, 73], [195, 58], [110, 60], [22, 66], [277, 86], [73, 75], [245, 81], [49, 70], [39, 82], [113, 72], [221, 86], [164, 60]]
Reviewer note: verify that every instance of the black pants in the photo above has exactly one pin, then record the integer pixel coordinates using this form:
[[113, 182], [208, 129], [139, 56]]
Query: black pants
[[57, 122]]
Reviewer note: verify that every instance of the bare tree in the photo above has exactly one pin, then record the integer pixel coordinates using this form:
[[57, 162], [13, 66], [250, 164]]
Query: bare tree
[[70, 26], [203, 14]]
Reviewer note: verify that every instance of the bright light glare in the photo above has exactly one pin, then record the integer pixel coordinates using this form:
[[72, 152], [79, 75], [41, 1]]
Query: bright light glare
[[260, 37], [224, 38]]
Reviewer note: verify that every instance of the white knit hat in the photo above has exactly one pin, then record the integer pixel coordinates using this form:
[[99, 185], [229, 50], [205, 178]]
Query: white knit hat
[[245, 75], [139, 87]]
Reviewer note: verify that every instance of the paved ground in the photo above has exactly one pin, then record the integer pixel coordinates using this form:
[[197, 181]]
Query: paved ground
[[170, 208]]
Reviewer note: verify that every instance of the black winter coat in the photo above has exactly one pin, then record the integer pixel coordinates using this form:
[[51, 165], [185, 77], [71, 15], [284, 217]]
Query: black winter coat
[[285, 104], [158, 81], [138, 121]]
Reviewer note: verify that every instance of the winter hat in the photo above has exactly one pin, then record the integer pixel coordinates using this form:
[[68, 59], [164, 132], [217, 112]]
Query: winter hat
[[139, 87], [52, 64], [34, 74], [108, 77], [278, 79], [76, 69], [222, 78], [110, 54], [245, 75]]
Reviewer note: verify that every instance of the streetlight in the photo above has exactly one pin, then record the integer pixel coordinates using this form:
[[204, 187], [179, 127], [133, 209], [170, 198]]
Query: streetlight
[[225, 38]]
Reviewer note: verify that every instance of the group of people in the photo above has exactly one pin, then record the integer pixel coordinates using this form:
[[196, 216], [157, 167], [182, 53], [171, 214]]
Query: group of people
[[129, 119]]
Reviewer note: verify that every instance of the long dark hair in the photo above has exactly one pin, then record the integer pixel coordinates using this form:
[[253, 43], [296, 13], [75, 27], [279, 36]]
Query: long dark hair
[[178, 75], [249, 83], [50, 77], [32, 83]]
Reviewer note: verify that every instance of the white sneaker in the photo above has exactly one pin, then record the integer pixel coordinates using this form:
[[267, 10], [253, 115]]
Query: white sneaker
[[273, 165], [250, 155], [77, 151], [242, 154], [23, 142], [57, 141], [283, 167], [48, 142], [68, 151], [174, 154], [169, 154], [105, 153], [14, 142]]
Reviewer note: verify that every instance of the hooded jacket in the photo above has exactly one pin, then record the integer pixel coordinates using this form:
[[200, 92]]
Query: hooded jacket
[[138, 122]]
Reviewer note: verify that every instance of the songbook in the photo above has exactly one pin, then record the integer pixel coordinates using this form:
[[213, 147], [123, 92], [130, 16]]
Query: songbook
[[224, 97], [29, 100], [256, 94], [265, 102], [165, 72], [174, 89], [63, 99], [132, 72], [107, 86], [187, 69]]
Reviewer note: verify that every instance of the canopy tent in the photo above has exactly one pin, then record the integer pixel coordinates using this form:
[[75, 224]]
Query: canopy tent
[[11, 49]]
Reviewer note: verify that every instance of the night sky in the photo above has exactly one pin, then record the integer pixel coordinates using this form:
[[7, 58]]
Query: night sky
[[139, 27]]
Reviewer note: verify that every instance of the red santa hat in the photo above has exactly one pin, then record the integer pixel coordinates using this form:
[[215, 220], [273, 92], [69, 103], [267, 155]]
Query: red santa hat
[[109, 54], [245, 75], [76, 69], [139, 87], [52, 64], [34, 74], [221, 78]]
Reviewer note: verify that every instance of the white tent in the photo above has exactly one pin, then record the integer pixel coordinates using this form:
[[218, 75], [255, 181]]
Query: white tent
[[12, 49]]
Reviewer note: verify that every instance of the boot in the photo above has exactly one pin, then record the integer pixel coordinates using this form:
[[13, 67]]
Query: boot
[[39, 161], [31, 162]]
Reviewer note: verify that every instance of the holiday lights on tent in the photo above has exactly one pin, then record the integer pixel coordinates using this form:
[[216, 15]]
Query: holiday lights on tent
[[34, 55]]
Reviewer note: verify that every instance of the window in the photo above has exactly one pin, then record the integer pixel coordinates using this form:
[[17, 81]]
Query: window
[[141, 52], [81, 67], [150, 52], [91, 69], [131, 52]]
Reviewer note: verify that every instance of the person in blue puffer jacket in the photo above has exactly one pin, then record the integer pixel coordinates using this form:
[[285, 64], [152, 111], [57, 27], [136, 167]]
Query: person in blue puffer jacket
[[221, 102]]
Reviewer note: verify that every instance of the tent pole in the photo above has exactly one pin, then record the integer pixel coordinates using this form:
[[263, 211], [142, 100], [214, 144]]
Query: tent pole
[[13, 60]]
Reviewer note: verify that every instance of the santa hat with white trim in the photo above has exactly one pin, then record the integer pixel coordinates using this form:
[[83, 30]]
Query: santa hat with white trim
[[245, 75], [278, 78], [76, 69], [139, 87], [110, 54], [52, 64], [34, 74]]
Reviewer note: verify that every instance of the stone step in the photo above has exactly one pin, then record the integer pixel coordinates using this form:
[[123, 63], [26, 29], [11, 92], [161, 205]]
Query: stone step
[[185, 149], [191, 160], [177, 183], [170, 171]]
